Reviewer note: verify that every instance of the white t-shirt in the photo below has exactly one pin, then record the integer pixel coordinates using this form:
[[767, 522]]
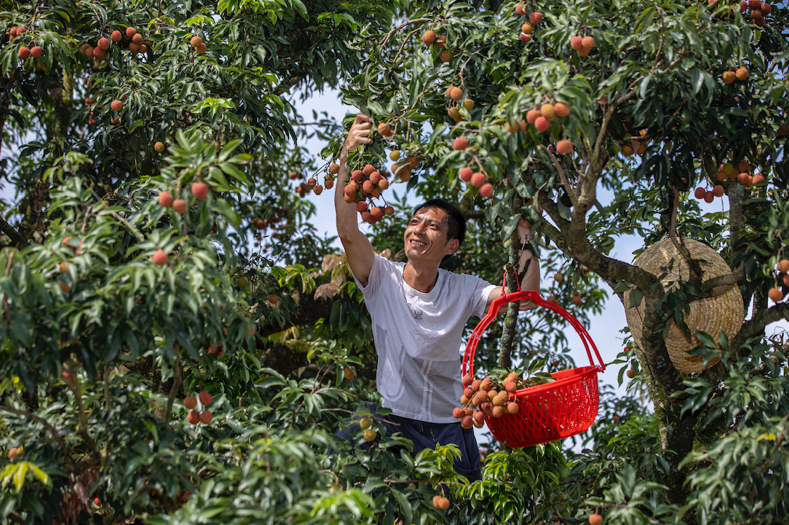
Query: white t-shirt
[[417, 337]]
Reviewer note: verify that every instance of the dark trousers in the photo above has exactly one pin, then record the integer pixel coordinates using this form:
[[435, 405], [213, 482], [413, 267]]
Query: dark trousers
[[428, 435]]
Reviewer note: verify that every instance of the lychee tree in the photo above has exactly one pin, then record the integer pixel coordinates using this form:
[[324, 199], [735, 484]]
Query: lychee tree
[[179, 345], [617, 118]]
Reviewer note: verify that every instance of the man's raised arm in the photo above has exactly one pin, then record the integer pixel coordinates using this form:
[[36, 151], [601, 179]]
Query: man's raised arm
[[357, 247]]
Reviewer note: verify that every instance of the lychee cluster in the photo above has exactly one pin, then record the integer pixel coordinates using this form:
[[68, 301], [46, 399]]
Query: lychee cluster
[[542, 116], [583, 45], [197, 44], [365, 185], [527, 29], [195, 417], [741, 173], [311, 184], [477, 179], [758, 9], [740, 74], [101, 50], [777, 294], [166, 199], [24, 52], [455, 94], [487, 397], [430, 38]]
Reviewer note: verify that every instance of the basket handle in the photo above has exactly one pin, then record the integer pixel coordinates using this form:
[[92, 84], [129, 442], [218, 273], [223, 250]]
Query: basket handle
[[476, 335]]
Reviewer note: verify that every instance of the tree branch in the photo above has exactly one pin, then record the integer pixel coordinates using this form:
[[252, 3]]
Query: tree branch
[[9, 230]]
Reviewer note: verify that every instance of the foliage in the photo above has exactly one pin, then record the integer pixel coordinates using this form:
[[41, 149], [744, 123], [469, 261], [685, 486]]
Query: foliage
[[99, 345]]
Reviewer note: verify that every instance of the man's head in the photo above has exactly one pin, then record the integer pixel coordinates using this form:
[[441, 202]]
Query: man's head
[[436, 230]]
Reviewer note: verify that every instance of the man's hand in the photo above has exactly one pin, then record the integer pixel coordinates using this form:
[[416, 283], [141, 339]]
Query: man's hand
[[360, 132]]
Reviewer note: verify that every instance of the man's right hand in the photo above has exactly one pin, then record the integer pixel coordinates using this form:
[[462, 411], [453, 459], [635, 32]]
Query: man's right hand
[[360, 132]]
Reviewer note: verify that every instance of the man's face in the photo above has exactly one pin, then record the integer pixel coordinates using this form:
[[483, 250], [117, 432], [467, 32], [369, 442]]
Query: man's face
[[426, 237]]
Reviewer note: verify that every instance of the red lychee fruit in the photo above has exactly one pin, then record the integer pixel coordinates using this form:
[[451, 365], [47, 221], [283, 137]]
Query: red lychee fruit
[[368, 170], [595, 519], [24, 53], [200, 191], [466, 422], [104, 43], [190, 402], [477, 179], [486, 190], [457, 413], [700, 193], [179, 205], [195, 41], [465, 174], [460, 143], [535, 18], [575, 43], [429, 37], [159, 258], [564, 147], [542, 124], [206, 417], [521, 10], [36, 51], [116, 105], [776, 294], [205, 398], [193, 417], [130, 32], [561, 109], [116, 36]]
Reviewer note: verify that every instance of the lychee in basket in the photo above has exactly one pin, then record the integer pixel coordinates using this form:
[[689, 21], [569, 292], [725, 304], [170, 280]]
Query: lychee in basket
[[551, 411]]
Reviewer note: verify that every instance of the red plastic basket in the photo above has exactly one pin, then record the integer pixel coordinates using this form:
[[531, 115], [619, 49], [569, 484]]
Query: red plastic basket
[[551, 411]]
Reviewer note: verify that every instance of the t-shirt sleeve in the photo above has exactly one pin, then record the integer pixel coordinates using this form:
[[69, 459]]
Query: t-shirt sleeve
[[479, 292], [377, 274]]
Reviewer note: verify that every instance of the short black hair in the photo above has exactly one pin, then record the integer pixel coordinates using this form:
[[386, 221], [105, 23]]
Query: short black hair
[[456, 221]]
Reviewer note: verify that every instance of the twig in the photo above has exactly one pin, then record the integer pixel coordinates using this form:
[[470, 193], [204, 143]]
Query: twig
[[562, 177], [134, 231], [388, 35]]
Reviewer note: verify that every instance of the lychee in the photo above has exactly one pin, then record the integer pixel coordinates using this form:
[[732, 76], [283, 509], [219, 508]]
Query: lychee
[[179, 205], [159, 258], [116, 105], [206, 417], [542, 124], [190, 402], [200, 191], [478, 179], [460, 143], [564, 147], [116, 36], [429, 37], [193, 417]]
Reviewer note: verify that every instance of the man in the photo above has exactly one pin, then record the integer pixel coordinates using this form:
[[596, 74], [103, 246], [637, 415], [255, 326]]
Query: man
[[419, 312]]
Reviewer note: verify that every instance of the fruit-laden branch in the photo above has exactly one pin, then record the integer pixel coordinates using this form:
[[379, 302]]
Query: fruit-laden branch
[[9, 230], [308, 311], [58, 438], [388, 35]]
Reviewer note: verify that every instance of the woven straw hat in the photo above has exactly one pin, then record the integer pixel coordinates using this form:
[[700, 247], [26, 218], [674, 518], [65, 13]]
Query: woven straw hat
[[724, 312]]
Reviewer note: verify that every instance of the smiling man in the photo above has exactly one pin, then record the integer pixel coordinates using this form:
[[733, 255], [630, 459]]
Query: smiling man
[[418, 312]]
